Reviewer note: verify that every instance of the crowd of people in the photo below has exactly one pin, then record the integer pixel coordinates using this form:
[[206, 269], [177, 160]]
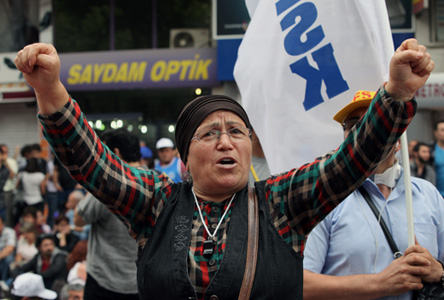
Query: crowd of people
[[46, 219], [183, 219], [36, 234], [427, 159]]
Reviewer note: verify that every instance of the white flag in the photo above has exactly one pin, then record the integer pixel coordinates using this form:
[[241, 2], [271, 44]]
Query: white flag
[[300, 62]]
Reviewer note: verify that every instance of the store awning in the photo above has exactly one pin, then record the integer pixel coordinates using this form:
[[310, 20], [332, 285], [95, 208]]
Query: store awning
[[16, 93], [431, 95]]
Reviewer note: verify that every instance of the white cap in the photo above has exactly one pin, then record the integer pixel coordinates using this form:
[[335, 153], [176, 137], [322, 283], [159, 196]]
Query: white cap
[[31, 285], [164, 143]]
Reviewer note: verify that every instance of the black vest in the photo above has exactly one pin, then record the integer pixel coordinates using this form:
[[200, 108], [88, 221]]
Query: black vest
[[162, 267]]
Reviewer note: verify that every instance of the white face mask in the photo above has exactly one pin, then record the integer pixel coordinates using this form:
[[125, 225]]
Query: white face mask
[[389, 177]]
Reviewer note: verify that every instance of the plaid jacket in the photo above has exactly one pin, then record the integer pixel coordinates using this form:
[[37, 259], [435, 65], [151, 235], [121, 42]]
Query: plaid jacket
[[298, 199]]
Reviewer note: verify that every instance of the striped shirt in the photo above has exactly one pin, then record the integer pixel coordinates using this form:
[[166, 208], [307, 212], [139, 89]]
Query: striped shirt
[[7, 238], [298, 199]]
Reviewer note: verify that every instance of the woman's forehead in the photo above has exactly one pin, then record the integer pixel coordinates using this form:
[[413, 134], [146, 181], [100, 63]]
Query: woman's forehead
[[222, 117]]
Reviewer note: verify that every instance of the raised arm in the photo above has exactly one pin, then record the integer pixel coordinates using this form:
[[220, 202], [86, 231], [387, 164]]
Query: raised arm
[[385, 121], [40, 65], [134, 195]]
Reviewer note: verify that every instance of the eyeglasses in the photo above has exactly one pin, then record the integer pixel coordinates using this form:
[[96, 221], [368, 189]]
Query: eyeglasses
[[211, 135], [349, 123]]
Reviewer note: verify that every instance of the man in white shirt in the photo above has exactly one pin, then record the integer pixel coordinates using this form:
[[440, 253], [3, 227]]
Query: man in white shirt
[[347, 255]]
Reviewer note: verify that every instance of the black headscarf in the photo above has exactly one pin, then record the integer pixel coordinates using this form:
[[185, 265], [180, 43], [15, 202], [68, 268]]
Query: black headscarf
[[196, 111]]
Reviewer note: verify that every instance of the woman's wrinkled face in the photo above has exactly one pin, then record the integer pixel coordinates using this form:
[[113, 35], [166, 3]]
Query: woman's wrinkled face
[[219, 167]]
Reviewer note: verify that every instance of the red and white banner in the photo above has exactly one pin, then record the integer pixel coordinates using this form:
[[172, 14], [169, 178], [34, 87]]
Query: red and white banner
[[300, 62]]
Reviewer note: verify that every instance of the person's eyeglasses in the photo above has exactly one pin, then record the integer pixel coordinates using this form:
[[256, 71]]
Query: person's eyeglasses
[[211, 135], [349, 123]]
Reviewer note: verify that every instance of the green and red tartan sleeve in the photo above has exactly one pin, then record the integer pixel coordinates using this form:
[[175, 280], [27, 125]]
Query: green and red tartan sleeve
[[301, 198], [134, 195]]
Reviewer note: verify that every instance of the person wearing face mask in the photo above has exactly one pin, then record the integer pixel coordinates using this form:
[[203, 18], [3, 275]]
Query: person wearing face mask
[[420, 165], [347, 255]]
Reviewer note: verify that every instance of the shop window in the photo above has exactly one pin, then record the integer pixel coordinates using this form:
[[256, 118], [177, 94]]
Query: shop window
[[437, 21], [19, 24]]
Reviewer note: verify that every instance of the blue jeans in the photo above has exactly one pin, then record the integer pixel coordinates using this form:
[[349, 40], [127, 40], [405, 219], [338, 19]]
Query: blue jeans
[[4, 266], [62, 199], [3, 213], [52, 200]]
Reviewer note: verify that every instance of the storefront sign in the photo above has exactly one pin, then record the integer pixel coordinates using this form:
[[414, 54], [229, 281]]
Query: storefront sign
[[431, 95], [166, 68], [8, 70], [13, 87]]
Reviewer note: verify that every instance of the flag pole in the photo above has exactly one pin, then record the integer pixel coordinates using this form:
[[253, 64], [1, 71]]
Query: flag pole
[[408, 189], [404, 147]]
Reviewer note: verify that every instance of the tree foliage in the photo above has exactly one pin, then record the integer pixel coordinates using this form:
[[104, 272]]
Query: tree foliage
[[84, 25]]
